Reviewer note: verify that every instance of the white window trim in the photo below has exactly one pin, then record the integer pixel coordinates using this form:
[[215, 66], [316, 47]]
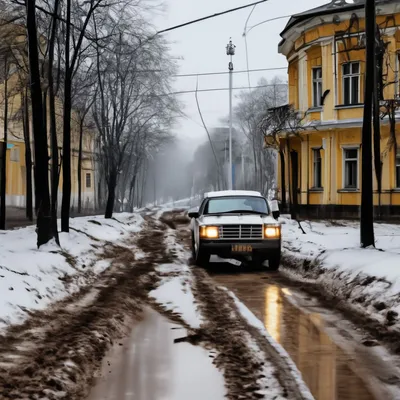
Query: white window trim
[[350, 76], [350, 147], [313, 149], [312, 92]]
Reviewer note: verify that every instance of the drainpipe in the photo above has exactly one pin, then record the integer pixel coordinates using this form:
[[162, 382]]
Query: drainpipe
[[330, 169], [308, 171]]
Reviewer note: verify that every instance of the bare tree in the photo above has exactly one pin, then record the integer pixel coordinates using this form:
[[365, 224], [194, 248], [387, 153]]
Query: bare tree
[[279, 123], [130, 101], [248, 113], [44, 229]]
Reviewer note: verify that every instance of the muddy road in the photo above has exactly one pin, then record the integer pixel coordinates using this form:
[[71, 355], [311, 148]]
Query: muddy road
[[113, 341], [338, 361]]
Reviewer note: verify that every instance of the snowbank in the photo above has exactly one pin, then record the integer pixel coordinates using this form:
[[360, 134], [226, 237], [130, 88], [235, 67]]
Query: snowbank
[[329, 254], [31, 278]]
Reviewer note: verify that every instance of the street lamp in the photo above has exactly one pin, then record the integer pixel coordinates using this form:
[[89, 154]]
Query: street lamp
[[230, 51]]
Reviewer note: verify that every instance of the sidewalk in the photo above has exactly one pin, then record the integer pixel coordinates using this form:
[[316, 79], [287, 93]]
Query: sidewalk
[[16, 217], [329, 255]]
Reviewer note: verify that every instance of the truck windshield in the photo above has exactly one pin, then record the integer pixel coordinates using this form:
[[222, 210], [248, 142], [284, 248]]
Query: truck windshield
[[243, 204]]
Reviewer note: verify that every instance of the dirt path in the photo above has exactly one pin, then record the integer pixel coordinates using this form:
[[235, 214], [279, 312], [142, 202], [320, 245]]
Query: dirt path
[[148, 365], [55, 353]]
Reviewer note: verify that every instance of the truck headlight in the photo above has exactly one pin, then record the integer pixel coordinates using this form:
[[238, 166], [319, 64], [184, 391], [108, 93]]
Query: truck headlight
[[209, 232], [272, 231]]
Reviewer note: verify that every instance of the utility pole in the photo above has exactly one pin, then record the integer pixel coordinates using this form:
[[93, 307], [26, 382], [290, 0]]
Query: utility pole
[[230, 51], [367, 201]]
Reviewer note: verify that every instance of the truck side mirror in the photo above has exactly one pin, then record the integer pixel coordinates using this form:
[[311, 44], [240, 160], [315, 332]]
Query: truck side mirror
[[193, 213], [275, 209]]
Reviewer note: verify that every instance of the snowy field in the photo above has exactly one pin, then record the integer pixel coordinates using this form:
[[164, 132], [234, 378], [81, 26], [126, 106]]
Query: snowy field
[[31, 279], [329, 254]]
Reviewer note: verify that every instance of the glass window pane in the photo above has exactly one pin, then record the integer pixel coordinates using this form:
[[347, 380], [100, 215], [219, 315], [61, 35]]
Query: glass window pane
[[346, 69], [229, 204], [351, 153], [315, 95], [354, 174], [398, 177], [354, 90], [355, 68], [346, 91]]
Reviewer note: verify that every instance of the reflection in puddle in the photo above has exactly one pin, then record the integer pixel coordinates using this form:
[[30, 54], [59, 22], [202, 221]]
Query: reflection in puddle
[[329, 372], [324, 366], [273, 312]]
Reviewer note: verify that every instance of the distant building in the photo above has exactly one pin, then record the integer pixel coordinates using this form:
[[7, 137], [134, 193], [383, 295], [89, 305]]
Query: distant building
[[325, 49], [16, 144]]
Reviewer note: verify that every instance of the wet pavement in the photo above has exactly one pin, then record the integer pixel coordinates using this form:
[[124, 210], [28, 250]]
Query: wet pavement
[[148, 365], [310, 334]]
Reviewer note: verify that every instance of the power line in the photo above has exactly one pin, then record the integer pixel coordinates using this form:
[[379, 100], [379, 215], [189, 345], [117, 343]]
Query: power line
[[210, 16], [221, 89], [227, 72], [208, 133]]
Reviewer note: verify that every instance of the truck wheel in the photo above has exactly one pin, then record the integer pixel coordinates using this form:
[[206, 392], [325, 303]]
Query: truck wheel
[[274, 261], [258, 262], [201, 259]]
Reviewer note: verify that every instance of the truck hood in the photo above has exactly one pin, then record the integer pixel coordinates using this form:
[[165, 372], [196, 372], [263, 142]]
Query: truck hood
[[250, 219]]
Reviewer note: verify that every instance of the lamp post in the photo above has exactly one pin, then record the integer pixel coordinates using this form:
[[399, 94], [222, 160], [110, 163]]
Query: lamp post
[[230, 51]]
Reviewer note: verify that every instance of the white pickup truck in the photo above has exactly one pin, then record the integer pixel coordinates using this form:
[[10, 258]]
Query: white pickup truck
[[235, 224]]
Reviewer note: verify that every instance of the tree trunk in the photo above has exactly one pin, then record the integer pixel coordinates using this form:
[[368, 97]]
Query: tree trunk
[[53, 129], [66, 198], [283, 179], [294, 156], [378, 61], [4, 159], [28, 157], [112, 185], [44, 233], [80, 165], [367, 205]]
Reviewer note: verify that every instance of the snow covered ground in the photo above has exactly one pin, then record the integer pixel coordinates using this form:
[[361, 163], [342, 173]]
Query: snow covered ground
[[329, 254], [31, 279]]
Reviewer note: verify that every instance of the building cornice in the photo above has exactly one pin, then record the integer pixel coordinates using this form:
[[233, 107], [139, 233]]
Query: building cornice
[[309, 21]]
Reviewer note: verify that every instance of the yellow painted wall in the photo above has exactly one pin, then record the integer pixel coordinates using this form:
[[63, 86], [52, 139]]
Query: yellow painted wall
[[314, 59], [16, 178], [332, 177], [317, 43], [293, 78]]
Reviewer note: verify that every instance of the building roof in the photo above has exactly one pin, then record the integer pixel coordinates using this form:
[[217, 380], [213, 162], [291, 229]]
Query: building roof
[[330, 8], [228, 193]]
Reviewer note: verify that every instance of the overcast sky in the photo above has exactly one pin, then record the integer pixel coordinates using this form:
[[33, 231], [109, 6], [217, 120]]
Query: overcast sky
[[202, 49]]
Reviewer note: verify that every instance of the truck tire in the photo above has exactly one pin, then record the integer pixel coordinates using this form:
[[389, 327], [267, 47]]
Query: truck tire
[[200, 258], [274, 261]]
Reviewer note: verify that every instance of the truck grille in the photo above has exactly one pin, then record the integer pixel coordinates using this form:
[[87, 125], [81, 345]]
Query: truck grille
[[241, 232]]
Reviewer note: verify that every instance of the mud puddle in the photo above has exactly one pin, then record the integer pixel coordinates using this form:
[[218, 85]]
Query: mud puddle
[[148, 365], [335, 364]]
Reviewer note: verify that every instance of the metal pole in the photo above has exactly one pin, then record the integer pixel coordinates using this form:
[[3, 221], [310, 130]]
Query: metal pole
[[230, 126], [243, 177], [230, 51]]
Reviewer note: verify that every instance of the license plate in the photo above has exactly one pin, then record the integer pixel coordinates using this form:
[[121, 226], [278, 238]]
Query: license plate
[[242, 248]]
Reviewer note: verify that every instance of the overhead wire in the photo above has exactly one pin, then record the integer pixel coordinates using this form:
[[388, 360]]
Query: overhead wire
[[227, 72], [208, 133], [210, 16], [220, 89], [245, 43]]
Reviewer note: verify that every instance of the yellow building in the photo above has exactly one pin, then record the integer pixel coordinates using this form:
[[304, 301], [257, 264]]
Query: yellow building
[[16, 146], [325, 49]]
